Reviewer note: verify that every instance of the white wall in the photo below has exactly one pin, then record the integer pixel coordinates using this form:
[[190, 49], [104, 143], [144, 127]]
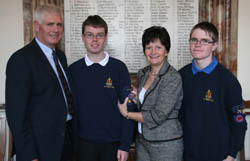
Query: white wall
[[244, 60], [244, 47], [11, 39]]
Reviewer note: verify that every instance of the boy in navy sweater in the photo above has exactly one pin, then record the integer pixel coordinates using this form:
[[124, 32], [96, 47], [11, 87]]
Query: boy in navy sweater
[[212, 113], [100, 81]]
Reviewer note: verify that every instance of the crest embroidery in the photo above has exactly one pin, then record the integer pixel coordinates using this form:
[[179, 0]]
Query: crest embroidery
[[208, 96], [109, 83], [239, 113]]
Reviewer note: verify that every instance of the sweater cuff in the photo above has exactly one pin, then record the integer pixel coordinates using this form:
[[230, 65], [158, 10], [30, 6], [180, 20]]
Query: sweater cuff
[[233, 153], [124, 147]]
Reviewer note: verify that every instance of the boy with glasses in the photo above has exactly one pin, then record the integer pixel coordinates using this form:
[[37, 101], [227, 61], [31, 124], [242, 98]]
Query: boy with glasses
[[212, 113], [100, 81]]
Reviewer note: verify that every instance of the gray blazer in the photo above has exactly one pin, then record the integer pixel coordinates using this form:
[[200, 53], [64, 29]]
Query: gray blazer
[[161, 105]]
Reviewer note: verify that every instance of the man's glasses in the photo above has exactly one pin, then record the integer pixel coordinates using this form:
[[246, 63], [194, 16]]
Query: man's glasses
[[89, 35], [202, 41]]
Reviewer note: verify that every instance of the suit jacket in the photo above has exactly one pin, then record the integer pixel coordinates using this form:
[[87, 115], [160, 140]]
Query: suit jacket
[[161, 105], [35, 106]]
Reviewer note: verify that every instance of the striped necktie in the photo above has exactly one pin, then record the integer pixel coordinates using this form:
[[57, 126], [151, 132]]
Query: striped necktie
[[64, 84]]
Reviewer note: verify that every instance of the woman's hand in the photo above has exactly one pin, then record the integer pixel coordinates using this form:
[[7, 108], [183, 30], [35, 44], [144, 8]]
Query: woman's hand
[[123, 107], [134, 92]]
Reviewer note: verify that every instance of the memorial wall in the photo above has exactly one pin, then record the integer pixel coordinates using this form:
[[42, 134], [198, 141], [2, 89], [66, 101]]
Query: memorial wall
[[127, 19]]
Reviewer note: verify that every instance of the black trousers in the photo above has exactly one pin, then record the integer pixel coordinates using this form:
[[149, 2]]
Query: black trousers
[[91, 151], [67, 153]]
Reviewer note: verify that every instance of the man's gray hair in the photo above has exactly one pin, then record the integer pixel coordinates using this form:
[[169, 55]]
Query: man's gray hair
[[48, 8]]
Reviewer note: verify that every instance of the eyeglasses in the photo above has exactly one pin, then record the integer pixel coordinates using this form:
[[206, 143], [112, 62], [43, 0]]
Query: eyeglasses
[[89, 35], [202, 41]]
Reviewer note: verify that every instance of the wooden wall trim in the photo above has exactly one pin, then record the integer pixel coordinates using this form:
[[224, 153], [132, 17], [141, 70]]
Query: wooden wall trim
[[224, 15], [247, 106]]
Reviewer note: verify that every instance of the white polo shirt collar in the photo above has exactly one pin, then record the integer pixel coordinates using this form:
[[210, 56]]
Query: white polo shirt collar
[[102, 62]]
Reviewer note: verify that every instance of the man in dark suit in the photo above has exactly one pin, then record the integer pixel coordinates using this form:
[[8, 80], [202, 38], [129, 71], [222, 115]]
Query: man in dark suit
[[38, 93]]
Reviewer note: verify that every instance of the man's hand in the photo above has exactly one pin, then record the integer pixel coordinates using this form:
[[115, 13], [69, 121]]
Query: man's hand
[[229, 158], [35, 160], [122, 155]]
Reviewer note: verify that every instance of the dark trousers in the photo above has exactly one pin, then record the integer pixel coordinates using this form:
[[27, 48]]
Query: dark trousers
[[91, 151], [67, 153]]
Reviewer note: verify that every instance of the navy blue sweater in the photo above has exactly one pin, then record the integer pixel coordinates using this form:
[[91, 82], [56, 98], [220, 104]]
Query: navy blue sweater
[[212, 115], [98, 89]]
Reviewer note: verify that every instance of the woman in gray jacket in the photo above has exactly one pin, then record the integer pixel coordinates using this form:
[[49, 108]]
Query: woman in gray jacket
[[159, 100]]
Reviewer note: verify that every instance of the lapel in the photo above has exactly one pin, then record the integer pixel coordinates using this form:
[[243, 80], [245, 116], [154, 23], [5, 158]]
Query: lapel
[[145, 72]]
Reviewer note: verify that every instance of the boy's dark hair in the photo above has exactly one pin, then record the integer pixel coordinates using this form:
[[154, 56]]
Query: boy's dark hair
[[95, 21], [207, 27], [156, 32]]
